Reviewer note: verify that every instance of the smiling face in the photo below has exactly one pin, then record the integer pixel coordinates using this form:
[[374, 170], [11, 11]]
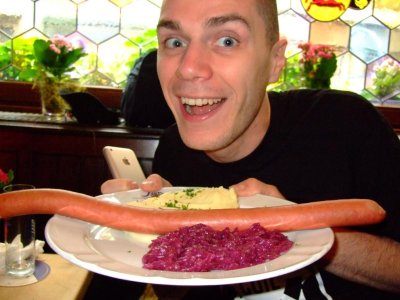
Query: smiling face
[[214, 62]]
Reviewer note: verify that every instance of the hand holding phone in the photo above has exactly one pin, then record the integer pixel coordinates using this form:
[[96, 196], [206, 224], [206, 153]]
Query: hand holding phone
[[123, 163]]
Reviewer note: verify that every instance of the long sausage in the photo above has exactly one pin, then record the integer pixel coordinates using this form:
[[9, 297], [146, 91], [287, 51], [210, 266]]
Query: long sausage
[[330, 213]]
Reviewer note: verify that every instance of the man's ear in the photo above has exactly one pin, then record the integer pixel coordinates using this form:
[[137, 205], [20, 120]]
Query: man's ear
[[278, 59]]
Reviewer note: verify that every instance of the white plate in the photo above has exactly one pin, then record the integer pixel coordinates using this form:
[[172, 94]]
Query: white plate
[[117, 254]]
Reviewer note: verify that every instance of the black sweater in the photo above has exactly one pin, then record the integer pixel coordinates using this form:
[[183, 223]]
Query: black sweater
[[320, 145]]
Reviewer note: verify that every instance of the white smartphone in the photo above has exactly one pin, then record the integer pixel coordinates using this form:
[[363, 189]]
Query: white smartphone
[[123, 163]]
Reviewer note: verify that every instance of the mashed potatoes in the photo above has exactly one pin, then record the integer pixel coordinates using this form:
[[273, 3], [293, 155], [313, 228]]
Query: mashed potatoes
[[189, 198], [192, 198]]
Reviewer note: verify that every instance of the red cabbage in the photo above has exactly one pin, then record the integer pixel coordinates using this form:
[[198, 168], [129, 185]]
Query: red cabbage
[[200, 248]]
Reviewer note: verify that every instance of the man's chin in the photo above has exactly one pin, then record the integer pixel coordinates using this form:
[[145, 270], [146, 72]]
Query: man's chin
[[202, 136], [207, 143]]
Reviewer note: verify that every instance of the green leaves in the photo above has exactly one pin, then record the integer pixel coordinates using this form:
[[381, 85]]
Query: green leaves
[[387, 78], [55, 59], [326, 68]]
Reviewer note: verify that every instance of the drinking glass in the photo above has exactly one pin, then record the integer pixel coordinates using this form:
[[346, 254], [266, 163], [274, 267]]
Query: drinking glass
[[19, 235]]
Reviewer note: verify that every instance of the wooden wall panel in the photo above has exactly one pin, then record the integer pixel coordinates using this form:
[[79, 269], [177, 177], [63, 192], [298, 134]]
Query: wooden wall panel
[[68, 157]]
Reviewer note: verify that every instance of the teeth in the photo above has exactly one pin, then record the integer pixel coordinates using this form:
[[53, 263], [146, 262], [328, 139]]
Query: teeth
[[200, 101]]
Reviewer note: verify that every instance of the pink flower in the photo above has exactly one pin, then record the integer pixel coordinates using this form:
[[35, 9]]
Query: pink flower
[[58, 42], [325, 55], [61, 41], [312, 53], [54, 48]]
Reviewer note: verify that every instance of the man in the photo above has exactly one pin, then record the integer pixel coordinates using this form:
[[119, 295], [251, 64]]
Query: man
[[215, 59]]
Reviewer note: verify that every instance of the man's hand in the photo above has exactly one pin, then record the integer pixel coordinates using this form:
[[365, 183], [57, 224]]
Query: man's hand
[[253, 186], [153, 183]]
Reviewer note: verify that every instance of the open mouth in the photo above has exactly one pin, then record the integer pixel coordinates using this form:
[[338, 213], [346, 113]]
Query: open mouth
[[201, 106]]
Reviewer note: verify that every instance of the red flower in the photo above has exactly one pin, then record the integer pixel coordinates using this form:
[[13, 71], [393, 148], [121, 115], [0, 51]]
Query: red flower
[[312, 53], [3, 177]]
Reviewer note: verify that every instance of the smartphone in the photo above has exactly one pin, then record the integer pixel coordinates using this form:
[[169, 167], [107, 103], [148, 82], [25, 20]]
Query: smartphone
[[123, 163]]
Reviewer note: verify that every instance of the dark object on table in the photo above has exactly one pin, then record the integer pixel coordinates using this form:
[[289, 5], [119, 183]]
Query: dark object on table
[[87, 109]]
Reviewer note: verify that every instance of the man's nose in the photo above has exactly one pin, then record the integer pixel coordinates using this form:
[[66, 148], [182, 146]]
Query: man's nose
[[195, 63]]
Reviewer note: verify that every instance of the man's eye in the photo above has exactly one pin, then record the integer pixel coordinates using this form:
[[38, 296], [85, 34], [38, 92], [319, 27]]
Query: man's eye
[[227, 42], [174, 43]]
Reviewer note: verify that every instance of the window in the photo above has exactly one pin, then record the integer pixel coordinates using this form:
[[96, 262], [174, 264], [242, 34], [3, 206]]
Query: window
[[116, 32]]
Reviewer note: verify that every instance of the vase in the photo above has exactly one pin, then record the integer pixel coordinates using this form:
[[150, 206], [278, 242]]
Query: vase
[[54, 106]]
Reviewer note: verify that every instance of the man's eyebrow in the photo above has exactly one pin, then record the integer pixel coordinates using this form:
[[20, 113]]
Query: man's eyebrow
[[221, 20], [212, 22], [168, 24]]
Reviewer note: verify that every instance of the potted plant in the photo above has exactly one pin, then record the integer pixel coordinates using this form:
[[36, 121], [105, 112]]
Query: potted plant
[[52, 64], [318, 64]]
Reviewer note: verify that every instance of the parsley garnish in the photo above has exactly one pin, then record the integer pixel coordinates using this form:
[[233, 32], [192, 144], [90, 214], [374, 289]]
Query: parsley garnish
[[175, 204], [190, 193]]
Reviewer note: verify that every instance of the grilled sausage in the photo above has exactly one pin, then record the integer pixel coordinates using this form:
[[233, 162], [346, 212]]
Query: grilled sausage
[[329, 213]]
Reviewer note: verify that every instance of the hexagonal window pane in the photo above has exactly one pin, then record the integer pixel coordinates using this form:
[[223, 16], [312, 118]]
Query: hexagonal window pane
[[283, 5], [297, 6], [55, 16], [16, 18], [22, 46], [383, 78], [116, 57], [9, 73], [121, 3], [156, 2], [349, 74], [5, 51], [97, 78], [388, 12], [291, 74], [394, 47], [138, 17], [330, 33], [295, 29], [353, 16], [146, 41], [87, 63], [98, 24], [369, 40]]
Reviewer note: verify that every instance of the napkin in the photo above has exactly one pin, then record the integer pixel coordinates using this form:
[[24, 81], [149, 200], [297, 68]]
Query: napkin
[[16, 243]]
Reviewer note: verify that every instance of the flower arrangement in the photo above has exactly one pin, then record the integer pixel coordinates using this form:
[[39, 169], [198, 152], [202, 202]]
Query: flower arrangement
[[318, 64], [387, 78], [54, 61], [56, 56], [6, 178]]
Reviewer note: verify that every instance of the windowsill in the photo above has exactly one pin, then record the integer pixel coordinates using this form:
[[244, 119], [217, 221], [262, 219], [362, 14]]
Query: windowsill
[[31, 117], [20, 97]]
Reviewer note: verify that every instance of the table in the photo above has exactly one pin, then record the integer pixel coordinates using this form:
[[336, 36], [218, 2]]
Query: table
[[65, 281]]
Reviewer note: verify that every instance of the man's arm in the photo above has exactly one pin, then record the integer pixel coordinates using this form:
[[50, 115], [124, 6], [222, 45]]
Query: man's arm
[[365, 259], [356, 256]]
